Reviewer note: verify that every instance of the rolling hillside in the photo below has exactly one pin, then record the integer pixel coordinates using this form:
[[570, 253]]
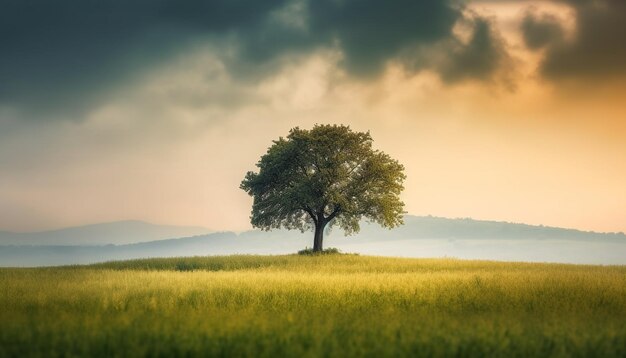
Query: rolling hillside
[[419, 237], [117, 233]]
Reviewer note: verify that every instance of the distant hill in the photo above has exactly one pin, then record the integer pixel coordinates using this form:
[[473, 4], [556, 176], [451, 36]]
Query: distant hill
[[419, 237], [117, 233], [431, 227]]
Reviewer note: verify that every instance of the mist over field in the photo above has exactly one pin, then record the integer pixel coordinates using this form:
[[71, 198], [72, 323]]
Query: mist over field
[[419, 237]]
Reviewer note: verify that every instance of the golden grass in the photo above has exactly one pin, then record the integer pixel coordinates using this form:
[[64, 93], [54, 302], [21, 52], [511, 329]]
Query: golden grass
[[292, 305]]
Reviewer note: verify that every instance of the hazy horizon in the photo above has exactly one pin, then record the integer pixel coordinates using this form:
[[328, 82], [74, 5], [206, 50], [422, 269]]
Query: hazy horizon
[[500, 110], [420, 237], [210, 230]]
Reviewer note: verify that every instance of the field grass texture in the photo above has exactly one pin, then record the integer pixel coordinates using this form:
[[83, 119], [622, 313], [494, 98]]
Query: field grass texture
[[333, 305]]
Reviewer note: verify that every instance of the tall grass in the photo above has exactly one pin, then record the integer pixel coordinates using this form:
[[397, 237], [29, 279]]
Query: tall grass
[[293, 305]]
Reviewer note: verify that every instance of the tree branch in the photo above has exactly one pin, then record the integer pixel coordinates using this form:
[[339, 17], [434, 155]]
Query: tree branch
[[310, 212], [334, 213]]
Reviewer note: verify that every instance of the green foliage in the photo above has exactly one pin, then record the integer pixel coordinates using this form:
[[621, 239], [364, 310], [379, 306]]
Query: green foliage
[[328, 174], [328, 251], [320, 305]]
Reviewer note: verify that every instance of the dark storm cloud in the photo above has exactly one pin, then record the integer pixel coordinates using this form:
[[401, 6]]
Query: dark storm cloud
[[65, 55], [539, 31], [60, 53], [370, 32], [479, 58], [598, 49]]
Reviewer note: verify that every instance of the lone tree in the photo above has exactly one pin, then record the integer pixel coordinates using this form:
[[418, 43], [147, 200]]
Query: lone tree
[[328, 175]]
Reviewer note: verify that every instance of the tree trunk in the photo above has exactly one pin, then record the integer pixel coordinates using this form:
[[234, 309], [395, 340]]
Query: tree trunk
[[319, 236]]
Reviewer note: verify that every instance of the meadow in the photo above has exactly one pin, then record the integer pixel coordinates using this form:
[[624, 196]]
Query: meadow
[[334, 305]]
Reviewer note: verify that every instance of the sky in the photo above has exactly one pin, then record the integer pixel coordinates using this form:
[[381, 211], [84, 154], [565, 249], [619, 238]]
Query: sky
[[155, 109]]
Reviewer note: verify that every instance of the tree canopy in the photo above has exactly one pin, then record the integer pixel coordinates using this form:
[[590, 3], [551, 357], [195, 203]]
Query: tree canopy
[[326, 175]]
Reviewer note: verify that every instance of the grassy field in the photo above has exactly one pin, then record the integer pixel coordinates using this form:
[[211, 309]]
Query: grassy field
[[336, 305]]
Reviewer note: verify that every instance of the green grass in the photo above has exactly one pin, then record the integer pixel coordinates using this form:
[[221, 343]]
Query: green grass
[[322, 305]]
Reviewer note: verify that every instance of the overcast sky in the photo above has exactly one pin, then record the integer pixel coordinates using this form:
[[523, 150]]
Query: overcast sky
[[155, 109]]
